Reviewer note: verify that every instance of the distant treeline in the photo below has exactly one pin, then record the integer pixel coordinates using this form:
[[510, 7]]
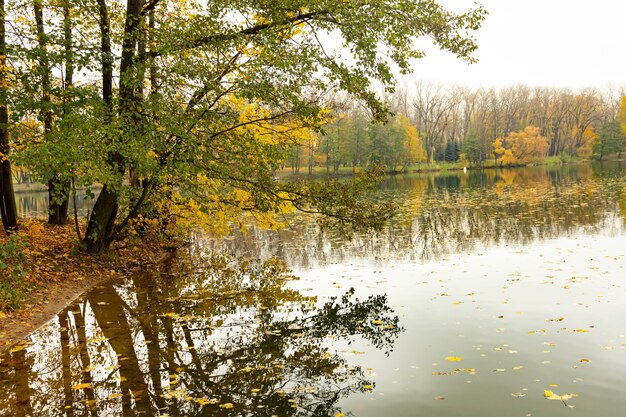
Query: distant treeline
[[435, 123]]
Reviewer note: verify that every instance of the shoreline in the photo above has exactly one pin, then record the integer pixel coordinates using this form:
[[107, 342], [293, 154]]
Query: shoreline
[[59, 275]]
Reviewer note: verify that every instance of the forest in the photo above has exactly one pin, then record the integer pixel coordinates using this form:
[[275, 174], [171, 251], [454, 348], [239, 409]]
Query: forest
[[516, 125], [182, 110]]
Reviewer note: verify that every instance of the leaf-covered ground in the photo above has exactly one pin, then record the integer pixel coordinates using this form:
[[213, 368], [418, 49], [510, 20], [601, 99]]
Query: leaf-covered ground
[[58, 272]]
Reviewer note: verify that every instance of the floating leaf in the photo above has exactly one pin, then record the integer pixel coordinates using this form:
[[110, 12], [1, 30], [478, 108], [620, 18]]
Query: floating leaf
[[204, 401], [227, 405], [454, 359], [82, 386], [17, 348], [552, 396]]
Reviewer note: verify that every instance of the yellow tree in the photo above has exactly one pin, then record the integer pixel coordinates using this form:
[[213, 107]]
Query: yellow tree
[[413, 147], [621, 113], [522, 147], [589, 137]]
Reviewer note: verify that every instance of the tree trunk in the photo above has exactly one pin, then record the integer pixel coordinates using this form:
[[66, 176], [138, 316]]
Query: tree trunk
[[8, 209], [99, 234], [101, 227], [58, 197], [58, 190]]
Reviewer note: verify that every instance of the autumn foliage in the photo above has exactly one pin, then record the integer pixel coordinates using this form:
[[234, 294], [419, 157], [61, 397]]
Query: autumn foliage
[[521, 147]]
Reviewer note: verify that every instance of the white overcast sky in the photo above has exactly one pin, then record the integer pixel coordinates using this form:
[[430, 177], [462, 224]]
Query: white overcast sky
[[561, 43]]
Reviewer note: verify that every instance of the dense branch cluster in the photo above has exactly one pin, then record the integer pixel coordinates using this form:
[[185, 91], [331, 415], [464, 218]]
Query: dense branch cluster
[[185, 108]]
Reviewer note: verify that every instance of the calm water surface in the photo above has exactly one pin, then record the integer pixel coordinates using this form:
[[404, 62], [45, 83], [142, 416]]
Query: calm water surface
[[486, 291]]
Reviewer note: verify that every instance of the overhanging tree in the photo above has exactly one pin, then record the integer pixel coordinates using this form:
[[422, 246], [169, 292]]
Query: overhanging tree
[[236, 79]]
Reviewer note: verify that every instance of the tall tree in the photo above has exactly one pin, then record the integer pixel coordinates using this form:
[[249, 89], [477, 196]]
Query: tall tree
[[58, 189], [8, 209], [610, 140], [228, 86]]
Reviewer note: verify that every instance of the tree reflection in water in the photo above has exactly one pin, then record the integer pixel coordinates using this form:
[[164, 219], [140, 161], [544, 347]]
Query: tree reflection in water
[[205, 336], [442, 215]]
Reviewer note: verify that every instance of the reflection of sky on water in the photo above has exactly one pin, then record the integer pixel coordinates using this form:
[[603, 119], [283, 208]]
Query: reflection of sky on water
[[446, 215], [35, 203], [520, 274], [230, 339]]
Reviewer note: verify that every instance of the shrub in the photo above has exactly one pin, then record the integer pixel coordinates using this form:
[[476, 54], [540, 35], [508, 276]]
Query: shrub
[[12, 272]]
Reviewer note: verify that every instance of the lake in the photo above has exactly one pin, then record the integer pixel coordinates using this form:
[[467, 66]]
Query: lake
[[494, 293]]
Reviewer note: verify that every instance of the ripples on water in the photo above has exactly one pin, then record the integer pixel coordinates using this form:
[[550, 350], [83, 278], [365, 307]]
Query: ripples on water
[[488, 289]]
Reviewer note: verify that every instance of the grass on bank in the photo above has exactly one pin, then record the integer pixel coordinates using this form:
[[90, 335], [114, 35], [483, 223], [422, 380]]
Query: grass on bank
[[438, 166]]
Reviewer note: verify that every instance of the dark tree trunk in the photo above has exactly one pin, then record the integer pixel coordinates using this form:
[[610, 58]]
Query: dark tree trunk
[[58, 195], [58, 190], [101, 228], [99, 234], [8, 209]]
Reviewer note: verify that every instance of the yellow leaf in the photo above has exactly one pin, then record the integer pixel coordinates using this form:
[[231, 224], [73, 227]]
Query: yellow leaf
[[202, 401], [580, 331], [552, 396], [453, 359], [17, 348], [82, 386], [227, 405], [339, 414]]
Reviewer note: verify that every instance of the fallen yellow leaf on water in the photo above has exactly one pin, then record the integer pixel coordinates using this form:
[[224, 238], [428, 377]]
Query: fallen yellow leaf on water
[[517, 368], [227, 405], [584, 361], [552, 396], [453, 359], [580, 331], [17, 348], [82, 386], [339, 414], [205, 401]]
